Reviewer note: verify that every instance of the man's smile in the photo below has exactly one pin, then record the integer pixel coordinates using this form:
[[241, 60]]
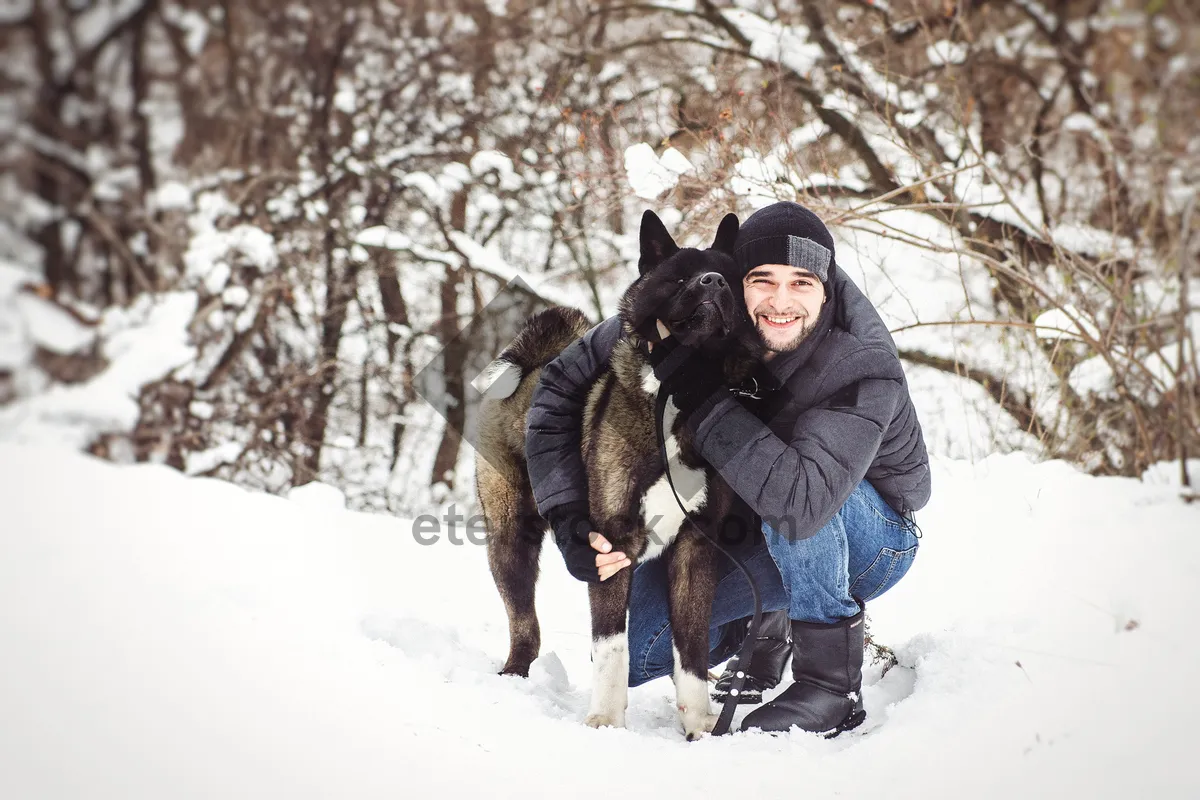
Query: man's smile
[[780, 322]]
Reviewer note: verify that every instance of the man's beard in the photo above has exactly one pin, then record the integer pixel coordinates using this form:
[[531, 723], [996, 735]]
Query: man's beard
[[805, 329]]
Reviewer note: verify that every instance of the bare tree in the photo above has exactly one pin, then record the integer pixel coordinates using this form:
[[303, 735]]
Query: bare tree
[[343, 189]]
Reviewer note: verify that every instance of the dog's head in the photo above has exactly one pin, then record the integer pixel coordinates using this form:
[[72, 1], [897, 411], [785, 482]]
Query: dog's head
[[696, 293]]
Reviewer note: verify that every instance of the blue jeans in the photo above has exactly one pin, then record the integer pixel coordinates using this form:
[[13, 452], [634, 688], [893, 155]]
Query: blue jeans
[[861, 553]]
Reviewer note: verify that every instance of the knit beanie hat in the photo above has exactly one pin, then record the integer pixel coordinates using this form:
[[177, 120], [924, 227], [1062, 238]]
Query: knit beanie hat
[[785, 233]]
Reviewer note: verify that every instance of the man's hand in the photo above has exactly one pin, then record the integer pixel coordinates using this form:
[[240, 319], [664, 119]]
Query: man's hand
[[588, 555], [607, 563]]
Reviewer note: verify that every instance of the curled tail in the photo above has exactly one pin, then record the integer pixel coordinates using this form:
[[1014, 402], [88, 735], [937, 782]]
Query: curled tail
[[544, 336]]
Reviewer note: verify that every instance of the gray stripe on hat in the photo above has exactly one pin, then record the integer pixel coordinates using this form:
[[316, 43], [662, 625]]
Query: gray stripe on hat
[[808, 255]]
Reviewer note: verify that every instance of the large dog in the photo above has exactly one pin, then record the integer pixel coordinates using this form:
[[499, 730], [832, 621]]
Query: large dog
[[697, 293]]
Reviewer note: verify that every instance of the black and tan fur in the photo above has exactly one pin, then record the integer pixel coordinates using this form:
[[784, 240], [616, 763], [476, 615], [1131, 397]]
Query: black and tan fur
[[625, 471]]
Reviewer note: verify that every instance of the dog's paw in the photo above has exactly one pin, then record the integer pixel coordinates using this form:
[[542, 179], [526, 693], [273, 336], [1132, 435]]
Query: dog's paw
[[691, 700], [605, 720], [697, 722]]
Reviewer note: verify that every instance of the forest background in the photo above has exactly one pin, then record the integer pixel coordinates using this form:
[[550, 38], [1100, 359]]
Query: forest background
[[267, 241]]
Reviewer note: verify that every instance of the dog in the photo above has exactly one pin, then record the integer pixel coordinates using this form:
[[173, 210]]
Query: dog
[[697, 294]]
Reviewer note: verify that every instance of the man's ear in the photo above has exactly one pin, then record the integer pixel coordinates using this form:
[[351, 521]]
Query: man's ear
[[727, 233], [657, 244]]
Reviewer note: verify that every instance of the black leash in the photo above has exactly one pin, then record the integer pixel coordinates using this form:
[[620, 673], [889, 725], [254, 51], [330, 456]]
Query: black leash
[[747, 651]]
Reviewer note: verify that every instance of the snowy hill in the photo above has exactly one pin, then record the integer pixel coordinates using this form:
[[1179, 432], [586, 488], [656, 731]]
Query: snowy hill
[[164, 636]]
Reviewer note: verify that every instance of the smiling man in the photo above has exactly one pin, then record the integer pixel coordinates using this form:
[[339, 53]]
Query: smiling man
[[784, 302], [828, 459]]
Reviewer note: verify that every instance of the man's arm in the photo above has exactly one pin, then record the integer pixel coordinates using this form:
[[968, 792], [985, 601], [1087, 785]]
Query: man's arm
[[796, 486], [554, 424]]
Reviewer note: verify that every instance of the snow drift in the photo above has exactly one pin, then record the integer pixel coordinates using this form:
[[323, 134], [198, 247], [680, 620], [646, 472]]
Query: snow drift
[[166, 636]]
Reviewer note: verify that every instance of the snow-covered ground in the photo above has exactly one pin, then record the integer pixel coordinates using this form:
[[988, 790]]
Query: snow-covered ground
[[172, 637]]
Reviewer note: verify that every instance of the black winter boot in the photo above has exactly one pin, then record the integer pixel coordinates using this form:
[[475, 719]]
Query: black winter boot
[[770, 656], [827, 695]]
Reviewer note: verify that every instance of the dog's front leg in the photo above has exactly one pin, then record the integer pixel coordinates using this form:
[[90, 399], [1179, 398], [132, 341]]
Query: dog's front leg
[[610, 650], [692, 578]]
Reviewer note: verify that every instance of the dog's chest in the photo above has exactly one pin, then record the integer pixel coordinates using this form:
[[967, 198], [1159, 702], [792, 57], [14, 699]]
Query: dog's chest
[[661, 514]]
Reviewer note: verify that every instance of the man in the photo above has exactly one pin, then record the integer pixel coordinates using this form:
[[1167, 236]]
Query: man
[[830, 458]]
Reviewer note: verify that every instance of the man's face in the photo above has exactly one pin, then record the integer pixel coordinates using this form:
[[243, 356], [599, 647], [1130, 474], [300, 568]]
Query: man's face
[[784, 303]]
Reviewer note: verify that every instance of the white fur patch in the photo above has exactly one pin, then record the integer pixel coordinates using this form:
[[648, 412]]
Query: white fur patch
[[691, 699], [610, 681], [660, 511], [498, 380], [670, 412], [650, 383]]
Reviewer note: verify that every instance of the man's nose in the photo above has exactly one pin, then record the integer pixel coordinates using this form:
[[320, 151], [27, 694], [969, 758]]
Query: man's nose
[[712, 279]]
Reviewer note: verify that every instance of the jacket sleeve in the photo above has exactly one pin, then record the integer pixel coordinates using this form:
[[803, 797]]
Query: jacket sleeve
[[796, 486], [554, 432]]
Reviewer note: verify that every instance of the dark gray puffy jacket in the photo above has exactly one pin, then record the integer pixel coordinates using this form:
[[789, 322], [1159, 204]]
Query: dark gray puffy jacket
[[836, 410]]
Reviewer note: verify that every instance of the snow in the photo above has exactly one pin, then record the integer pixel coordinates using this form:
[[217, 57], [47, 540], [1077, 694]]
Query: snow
[[650, 175], [14, 11], [193, 24], [167, 636], [1152, 372], [142, 344], [788, 45], [346, 98], [1087, 240], [199, 462], [51, 327], [959, 419], [318, 496], [946, 52], [1080, 122], [427, 185], [1093, 376], [1166, 31], [1067, 322], [676, 5], [1166, 473], [173, 195], [480, 258], [217, 277], [95, 23], [486, 161], [675, 161], [209, 247], [763, 180], [382, 236], [15, 348], [236, 296]]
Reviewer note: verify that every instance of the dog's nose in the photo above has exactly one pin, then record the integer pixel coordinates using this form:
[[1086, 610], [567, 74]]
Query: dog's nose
[[709, 278]]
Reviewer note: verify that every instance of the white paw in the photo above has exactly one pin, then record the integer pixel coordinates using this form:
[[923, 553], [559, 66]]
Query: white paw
[[696, 722], [605, 720], [610, 682], [691, 699]]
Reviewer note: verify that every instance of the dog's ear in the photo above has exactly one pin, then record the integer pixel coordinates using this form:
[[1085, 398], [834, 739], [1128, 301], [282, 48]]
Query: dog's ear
[[727, 233], [657, 244]]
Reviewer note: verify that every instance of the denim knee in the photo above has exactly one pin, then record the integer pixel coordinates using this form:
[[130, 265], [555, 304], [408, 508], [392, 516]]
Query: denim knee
[[815, 573], [652, 658]]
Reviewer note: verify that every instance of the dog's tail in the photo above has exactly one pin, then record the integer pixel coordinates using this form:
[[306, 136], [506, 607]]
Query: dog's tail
[[544, 336]]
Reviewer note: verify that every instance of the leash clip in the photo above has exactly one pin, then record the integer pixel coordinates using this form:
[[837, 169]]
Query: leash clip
[[750, 393]]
